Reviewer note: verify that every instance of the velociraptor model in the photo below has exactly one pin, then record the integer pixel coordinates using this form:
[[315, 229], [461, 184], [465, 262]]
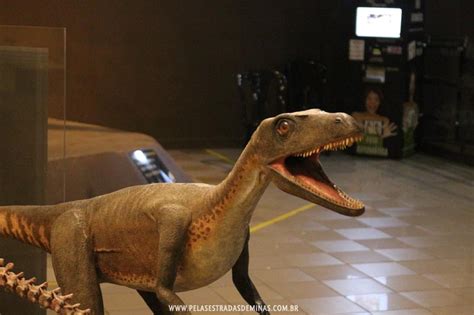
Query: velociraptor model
[[165, 238]]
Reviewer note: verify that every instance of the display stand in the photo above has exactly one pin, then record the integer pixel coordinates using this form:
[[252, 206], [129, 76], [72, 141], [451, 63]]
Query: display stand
[[448, 111], [385, 52]]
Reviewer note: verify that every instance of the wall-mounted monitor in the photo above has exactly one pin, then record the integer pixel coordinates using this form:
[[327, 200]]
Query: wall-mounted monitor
[[378, 22]]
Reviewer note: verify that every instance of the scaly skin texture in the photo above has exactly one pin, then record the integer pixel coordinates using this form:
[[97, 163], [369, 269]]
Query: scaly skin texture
[[166, 238]]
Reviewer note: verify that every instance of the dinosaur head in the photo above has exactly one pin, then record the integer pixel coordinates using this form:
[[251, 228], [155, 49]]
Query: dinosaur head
[[290, 145]]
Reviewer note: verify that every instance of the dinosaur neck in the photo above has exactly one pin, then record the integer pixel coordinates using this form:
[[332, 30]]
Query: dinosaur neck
[[237, 195]]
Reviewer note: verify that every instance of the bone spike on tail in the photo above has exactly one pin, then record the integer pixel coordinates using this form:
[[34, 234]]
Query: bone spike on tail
[[39, 294]]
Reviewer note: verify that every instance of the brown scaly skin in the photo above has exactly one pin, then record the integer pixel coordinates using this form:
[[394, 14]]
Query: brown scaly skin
[[166, 238]]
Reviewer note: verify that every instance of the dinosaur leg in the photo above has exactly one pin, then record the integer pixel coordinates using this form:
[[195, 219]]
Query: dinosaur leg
[[173, 227], [152, 301], [73, 260], [242, 281]]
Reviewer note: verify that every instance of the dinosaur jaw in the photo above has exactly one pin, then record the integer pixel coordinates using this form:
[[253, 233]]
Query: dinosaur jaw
[[302, 175]]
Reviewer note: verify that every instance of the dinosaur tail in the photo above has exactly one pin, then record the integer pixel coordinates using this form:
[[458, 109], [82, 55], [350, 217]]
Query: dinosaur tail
[[29, 224], [39, 294]]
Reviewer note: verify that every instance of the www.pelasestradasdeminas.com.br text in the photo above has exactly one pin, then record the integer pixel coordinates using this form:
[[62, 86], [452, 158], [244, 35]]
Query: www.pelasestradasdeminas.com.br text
[[233, 308]]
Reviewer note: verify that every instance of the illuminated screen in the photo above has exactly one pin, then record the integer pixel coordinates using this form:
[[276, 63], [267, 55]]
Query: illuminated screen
[[378, 22]]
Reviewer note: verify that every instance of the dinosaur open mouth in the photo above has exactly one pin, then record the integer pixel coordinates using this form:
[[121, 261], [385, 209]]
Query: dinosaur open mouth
[[304, 169]]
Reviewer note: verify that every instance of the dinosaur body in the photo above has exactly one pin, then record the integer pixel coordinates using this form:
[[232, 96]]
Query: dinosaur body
[[166, 238]]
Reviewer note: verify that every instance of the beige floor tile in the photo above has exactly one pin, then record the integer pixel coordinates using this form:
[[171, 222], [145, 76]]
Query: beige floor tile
[[434, 298], [383, 269], [323, 215], [426, 241], [333, 272], [267, 262], [339, 246], [465, 265], [369, 196], [457, 280], [450, 251], [365, 256], [409, 283], [275, 237], [401, 231], [373, 213], [303, 290], [268, 248], [383, 222], [401, 212], [295, 248], [123, 301], [226, 280], [453, 310], [465, 293], [344, 224], [307, 260], [383, 243], [202, 296], [232, 296], [431, 266], [109, 288], [400, 254], [389, 203], [328, 306], [362, 234], [415, 311], [136, 311], [287, 275], [382, 301], [356, 286], [320, 235], [297, 224]]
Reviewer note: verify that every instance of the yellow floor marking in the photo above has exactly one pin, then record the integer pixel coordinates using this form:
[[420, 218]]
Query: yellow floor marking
[[262, 225], [282, 217], [220, 156]]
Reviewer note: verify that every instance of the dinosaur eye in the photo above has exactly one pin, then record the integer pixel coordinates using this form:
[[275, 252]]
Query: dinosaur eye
[[283, 127]]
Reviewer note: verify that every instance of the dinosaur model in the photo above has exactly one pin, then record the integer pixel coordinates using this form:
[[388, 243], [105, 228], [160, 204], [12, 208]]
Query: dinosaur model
[[165, 238]]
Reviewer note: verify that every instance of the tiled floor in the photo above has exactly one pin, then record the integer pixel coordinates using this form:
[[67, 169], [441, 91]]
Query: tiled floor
[[411, 253]]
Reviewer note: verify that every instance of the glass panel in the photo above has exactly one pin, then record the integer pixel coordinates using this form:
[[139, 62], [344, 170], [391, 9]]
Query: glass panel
[[32, 129], [53, 42]]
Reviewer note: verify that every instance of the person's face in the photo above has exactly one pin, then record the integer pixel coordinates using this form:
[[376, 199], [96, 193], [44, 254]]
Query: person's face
[[372, 102]]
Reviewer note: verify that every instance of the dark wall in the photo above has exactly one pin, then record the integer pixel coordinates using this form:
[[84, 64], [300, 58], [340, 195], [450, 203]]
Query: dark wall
[[167, 68], [450, 18]]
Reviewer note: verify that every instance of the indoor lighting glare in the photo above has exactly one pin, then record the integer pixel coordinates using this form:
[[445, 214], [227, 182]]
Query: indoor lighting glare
[[140, 156]]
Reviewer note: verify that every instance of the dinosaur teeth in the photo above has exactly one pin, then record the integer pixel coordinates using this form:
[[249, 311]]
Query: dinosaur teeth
[[332, 146], [307, 153], [339, 144]]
